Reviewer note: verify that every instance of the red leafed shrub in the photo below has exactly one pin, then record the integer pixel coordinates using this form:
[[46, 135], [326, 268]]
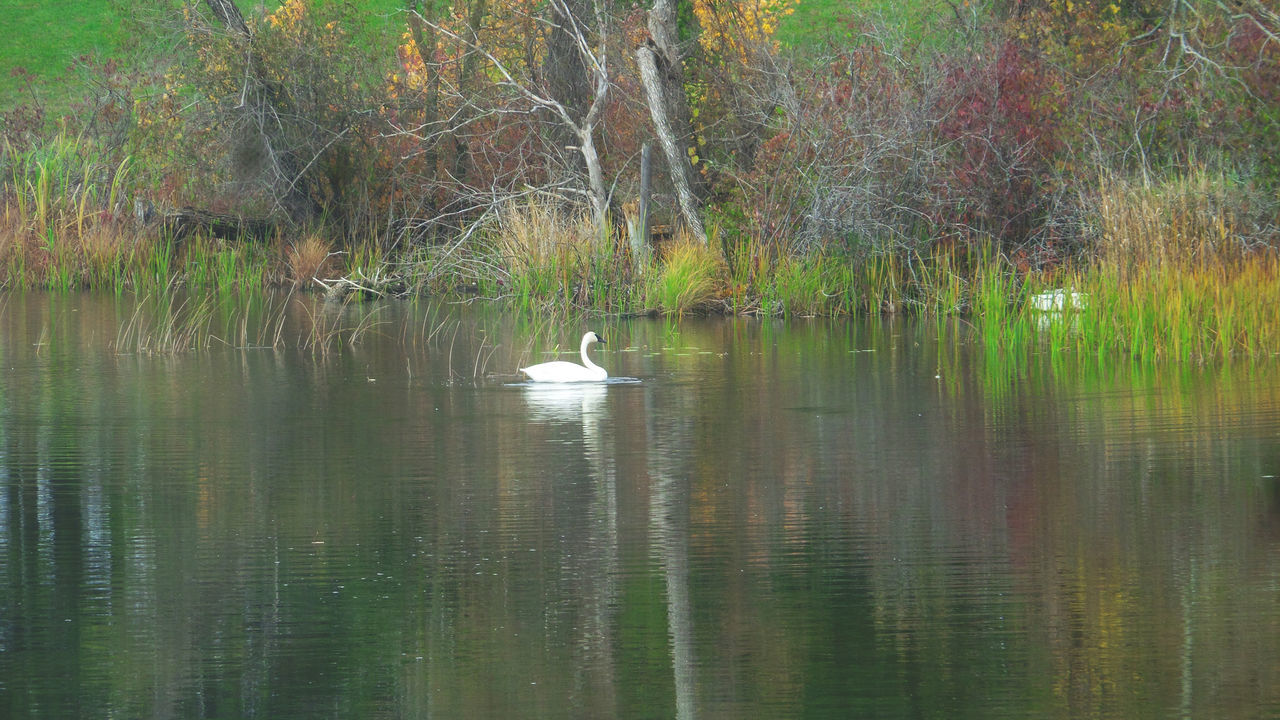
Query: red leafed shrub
[[850, 161], [1000, 121], [879, 150]]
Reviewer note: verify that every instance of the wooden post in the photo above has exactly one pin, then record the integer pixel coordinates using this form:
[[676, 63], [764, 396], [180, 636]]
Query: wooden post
[[640, 239]]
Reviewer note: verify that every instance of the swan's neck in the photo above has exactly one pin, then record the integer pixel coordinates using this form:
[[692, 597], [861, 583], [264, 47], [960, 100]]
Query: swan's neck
[[586, 360]]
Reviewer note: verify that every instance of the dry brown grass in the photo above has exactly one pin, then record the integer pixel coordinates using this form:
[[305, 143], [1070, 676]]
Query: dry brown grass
[[308, 259], [102, 246], [533, 236], [1191, 219]]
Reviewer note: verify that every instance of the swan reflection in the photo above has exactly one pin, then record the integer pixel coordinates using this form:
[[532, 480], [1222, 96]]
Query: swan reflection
[[570, 401]]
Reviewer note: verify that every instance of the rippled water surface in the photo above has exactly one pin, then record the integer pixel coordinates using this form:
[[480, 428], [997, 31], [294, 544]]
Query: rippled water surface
[[754, 519]]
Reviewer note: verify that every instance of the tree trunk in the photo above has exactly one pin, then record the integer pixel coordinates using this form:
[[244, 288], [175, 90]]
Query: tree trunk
[[424, 39], [595, 176], [677, 161], [662, 72], [229, 15], [566, 74], [470, 64], [640, 236]]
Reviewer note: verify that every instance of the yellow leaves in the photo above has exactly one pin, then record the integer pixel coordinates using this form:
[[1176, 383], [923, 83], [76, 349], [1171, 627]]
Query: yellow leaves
[[288, 16], [729, 29]]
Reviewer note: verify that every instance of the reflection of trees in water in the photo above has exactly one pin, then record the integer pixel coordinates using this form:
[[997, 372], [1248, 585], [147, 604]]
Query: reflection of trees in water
[[1128, 514], [1041, 544], [671, 430], [880, 540]]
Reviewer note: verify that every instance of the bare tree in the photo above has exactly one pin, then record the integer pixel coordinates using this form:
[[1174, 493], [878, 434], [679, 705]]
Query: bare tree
[[662, 72], [588, 38]]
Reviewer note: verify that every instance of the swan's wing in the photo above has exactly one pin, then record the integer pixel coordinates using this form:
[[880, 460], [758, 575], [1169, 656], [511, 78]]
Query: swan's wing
[[560, 371]]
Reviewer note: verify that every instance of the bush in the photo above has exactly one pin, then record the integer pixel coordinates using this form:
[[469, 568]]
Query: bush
[[279, 122], [691, 277]]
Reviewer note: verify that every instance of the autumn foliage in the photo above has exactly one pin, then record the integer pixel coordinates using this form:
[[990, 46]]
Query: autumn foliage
[[1000, 133]]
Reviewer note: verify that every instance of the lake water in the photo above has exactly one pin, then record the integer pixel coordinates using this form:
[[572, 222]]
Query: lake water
[[759, 519]]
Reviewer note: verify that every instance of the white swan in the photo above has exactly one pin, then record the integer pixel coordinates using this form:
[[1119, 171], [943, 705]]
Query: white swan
[[562, 372], [1059, 300]]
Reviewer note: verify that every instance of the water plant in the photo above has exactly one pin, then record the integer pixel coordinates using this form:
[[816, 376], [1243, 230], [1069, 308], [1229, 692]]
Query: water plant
[[796, 286], [307, 259], [691, 276], [329, 326], [167, 321]]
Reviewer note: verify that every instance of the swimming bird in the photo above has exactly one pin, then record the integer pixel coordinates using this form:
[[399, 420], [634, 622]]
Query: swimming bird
[[562, 372], [1058, 300]]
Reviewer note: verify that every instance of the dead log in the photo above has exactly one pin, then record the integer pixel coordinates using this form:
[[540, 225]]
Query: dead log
[[188, 221]]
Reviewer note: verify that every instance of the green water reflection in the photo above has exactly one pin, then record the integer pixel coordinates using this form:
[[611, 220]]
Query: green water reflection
[[801, 519]]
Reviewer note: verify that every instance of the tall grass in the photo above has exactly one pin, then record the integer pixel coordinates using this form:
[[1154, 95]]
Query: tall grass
[[941, 288], [540, 252], [166, 322], [540, 256], [1176, 277], [1179, 277], [690, 278], [1187, 220], [65, 223], [63, 218], [796, 287], [1179, 269], [307, 260]]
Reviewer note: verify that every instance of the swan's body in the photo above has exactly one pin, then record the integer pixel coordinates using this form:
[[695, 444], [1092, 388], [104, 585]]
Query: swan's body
[[560, 371], [1058, 300]]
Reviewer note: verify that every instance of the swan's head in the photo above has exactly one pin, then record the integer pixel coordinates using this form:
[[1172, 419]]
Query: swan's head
[[592, 337]]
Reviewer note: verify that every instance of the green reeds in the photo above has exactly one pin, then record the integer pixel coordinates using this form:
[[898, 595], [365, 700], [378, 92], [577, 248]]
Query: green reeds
[[797, 287], [879, 285], [995, 300], [690, 278], [167, 322], [940, 287], [1195, 313], [1173, 280]]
